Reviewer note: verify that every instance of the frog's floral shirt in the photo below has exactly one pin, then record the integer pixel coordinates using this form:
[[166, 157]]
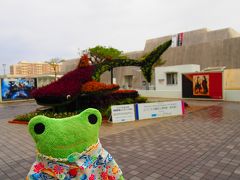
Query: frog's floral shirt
[[92, 164]]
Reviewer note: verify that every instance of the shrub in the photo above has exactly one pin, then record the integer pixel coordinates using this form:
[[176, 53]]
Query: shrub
[[121, 94], [140, 99], [29, 116], [98, 87]]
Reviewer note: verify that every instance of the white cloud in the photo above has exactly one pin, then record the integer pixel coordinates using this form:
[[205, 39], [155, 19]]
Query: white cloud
[[40, 30]]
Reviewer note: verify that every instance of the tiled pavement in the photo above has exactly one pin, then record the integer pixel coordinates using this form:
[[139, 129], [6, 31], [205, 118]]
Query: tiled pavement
[[10, 110], [200, 145]]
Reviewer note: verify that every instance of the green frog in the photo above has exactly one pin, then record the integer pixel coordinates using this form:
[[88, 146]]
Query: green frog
[[69, 148]]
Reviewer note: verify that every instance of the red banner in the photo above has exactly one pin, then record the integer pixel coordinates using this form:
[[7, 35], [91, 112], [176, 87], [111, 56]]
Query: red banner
[[180, 39]]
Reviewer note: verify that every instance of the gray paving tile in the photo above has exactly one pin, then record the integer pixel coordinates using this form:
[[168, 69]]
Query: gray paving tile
[[200, 145], [237, 171]]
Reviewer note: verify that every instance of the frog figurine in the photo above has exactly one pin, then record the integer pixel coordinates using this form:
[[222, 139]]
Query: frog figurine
[[69, 148]]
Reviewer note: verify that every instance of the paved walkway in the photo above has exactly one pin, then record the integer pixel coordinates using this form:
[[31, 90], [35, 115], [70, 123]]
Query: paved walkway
[[201, 145], [11, 109]]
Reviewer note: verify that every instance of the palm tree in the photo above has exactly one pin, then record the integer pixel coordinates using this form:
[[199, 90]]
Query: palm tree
[[54, 63]]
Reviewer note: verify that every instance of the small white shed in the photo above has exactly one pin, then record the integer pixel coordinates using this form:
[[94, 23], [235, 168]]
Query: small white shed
[[168, 79]]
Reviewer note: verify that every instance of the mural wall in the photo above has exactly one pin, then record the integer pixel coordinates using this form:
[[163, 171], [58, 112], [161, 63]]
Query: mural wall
[[17, 88]]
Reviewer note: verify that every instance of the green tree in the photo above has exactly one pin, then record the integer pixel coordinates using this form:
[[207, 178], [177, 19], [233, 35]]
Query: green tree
[[54, 63], [100, 54]]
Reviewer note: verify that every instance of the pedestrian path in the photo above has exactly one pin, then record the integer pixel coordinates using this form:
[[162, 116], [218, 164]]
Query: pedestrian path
[[9, 110], [204, 144]]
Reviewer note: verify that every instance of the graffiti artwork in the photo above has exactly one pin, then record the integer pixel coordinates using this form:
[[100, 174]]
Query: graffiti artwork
[[17, 88]]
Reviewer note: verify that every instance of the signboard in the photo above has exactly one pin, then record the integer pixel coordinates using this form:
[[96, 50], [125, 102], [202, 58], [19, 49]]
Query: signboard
[[17, 88], [206, 85], [159, 109], [180, 39], [123, 113], [174, 41], [177, 40]]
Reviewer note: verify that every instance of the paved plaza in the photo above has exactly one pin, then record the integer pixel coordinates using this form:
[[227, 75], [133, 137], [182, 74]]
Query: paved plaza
[[204, 144]]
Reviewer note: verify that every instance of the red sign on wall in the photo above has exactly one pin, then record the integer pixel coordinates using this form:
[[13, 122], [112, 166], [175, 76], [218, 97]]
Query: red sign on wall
[[180, 39], [202, 85]]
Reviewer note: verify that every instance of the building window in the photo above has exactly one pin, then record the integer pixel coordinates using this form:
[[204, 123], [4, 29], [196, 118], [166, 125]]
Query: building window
[[171, 78], [128, 81]]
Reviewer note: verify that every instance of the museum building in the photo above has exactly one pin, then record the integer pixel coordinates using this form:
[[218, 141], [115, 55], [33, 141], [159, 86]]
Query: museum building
[[203, 47]]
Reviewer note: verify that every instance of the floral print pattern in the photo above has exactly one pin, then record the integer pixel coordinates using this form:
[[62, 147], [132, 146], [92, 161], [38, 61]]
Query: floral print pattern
[[58, 169], [38, 167], [93, 164]]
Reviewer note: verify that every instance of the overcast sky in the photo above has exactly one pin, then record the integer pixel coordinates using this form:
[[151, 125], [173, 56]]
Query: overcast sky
[[38, 30]]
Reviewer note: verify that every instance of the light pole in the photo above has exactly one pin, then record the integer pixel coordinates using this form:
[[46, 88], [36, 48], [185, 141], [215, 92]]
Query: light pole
[[4, 67]]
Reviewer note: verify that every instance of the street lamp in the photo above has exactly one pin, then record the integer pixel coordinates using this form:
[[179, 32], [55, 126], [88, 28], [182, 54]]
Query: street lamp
[[4, 67]]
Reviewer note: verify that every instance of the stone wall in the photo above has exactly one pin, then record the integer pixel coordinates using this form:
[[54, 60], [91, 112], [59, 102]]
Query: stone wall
[[203, 47], [69, 65]]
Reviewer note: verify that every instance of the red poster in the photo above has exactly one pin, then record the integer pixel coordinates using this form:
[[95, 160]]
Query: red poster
[[202, 85], [180, 39]]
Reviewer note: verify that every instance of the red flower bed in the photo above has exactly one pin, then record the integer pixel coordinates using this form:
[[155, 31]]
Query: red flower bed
[[122, 91], [94, 86], [70, 84], [121, 94]]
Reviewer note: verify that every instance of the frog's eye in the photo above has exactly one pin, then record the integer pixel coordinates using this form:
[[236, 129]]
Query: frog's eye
[[92, 118], [39, 128]]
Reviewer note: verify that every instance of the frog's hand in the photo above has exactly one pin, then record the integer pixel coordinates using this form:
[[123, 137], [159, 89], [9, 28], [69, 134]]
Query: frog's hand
[[121, 177]]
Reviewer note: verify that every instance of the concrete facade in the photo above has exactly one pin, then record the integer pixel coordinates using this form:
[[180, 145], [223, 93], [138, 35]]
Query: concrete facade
[[69, 65], [204, 47], [167, 89], [231, 79], [128, 77], [161, 76]]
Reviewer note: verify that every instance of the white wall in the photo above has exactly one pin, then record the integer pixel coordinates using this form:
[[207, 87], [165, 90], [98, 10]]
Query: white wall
[[161, 78], [160, 94], [232, 95]]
